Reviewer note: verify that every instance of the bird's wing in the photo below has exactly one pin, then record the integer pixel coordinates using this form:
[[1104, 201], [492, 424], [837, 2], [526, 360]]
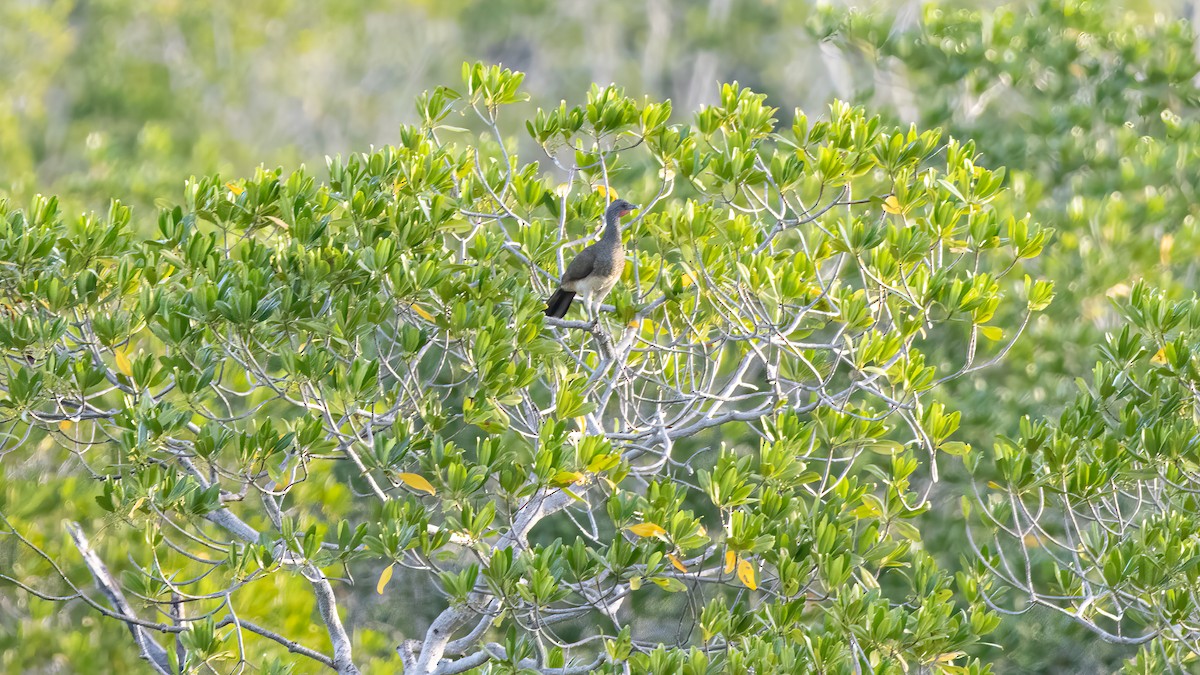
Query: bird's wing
[[581, 267]]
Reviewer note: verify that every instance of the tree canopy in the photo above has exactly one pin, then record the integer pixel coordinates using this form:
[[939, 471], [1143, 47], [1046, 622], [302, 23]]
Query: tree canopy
[[382, 336]]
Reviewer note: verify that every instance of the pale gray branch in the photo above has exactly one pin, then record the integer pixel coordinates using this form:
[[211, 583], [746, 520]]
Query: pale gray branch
[[152, 652]]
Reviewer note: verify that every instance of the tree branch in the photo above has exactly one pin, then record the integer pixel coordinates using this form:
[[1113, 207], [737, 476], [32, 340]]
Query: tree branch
[[152, 652], [493, 650], [540, 505]]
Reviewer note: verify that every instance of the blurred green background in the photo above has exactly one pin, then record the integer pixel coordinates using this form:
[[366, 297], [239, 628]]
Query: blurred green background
[[107, 98], [1091, 106]]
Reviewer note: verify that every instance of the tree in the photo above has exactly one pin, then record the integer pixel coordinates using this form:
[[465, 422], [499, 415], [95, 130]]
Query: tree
[[311, 384], [1092, 109], [1094, 112], [1095, 512]]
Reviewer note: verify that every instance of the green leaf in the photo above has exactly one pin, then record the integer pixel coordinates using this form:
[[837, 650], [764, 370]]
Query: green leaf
[[885, 447], [905, 529], [956, 448]]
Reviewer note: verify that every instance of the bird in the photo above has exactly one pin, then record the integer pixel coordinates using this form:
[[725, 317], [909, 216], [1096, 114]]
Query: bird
[[594, 272]]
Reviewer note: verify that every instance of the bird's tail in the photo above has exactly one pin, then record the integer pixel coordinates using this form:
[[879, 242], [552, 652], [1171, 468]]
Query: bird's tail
[[559, 303]]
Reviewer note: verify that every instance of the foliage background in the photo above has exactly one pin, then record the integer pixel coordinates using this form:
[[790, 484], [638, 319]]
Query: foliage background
[[117, 98]]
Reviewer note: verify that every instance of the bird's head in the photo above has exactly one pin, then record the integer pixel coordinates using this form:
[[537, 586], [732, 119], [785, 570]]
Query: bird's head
[[620, 208]]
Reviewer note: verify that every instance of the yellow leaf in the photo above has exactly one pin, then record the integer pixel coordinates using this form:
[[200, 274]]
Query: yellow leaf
[[1164, 248], [949, 657], [279, 222], [1031, 541], [608, 192], [417, 482], [635, 583], [730, 561], [993, 333], [677, 563], [384, 578], [891, 204], [646, 530], [421, 312], [566, 478], [123, 363], [686, 280], [237, 190], [137, 504], [746, 574], [1160, 357], [65, 426]]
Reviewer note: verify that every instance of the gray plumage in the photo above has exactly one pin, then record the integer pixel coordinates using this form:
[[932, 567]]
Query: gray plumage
[[597, 268]]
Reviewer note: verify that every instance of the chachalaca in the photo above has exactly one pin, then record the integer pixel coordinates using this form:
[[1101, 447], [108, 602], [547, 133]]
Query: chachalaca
[[594, 272]]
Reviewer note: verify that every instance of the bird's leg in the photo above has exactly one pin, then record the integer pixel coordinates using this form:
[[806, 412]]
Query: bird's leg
[[589, 309]]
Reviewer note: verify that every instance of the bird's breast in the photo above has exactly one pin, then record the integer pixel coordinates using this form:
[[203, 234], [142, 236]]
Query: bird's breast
[[611, 267]]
